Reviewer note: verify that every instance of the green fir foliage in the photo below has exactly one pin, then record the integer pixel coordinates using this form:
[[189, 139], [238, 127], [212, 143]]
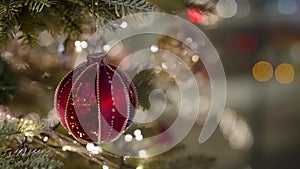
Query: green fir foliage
[[28, 159], [29, 128], [30, 17]]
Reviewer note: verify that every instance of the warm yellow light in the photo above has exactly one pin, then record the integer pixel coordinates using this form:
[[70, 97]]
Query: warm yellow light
[[262, 71], [284, 73], [195, 58]]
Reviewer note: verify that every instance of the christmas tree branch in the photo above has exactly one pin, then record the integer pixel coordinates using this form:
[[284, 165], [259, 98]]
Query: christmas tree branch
[[69, 144], [28, 128], [38, 5], [41, 138], [25, 158], [8, 20], [33, 16]]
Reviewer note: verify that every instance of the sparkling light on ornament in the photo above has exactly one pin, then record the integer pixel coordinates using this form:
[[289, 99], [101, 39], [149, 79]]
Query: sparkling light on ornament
[[197, 16], [226, 8], [262, 71], [139, 167], [285, 73]]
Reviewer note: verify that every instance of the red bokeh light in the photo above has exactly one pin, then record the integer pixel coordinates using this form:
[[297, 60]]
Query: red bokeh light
[[197, 16], [246, 42]]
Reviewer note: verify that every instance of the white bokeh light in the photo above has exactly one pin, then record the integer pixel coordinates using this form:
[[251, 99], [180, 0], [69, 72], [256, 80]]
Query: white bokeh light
[[137, 132], [77, 43], [143, 153], [226, 8], [287, 7], [83, 44], [105, 167], [244, 8], [128, 138], [123, 25], [139, 137], [106, 48], [154, 48]]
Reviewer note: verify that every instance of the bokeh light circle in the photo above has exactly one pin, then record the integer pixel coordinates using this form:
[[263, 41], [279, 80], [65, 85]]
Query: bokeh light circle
[[262, 71], [284, 73]]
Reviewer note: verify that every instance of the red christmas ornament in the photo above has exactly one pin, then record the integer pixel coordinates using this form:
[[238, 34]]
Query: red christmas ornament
[[197, 16], [96, 101]]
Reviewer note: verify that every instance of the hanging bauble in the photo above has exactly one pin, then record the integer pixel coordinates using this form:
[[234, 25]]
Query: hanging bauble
[[197, 16], [96, 101]]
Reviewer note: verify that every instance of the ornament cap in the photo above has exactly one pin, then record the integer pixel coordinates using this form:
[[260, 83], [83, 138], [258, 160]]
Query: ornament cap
[[95, 57]]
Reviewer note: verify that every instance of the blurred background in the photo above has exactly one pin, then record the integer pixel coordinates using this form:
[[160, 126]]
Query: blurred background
[[259, 44], [268, 31]]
